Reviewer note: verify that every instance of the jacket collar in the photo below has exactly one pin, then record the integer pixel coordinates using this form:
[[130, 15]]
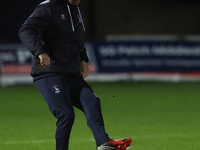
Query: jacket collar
[[64, 1]]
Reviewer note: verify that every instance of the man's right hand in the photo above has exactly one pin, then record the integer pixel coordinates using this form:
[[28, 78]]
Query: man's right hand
[[44, 60]]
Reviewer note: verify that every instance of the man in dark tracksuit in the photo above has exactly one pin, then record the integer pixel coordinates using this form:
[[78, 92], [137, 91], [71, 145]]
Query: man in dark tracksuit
[[53, 35]]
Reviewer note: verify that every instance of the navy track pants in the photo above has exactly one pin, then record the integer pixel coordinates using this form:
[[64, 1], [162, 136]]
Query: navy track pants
[[61, 93]]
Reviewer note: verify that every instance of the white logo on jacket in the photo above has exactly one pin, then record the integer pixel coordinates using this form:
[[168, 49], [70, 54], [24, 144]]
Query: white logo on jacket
[[79, 19], [63, 16], [56, 89]]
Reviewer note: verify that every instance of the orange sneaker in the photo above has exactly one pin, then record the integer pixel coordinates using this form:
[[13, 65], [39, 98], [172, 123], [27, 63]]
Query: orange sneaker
[[121, 144]]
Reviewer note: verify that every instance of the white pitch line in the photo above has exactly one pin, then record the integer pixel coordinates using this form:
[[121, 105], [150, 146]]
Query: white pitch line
[[167, 136], [91, 139], [38, 141], [26, 142]]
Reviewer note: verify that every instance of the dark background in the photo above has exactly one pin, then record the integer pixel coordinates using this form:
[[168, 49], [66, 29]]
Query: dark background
[[115, 17]]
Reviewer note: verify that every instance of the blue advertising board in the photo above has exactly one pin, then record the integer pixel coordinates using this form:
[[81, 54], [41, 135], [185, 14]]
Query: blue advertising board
[[119, 57], [116, 57], [15, 59]]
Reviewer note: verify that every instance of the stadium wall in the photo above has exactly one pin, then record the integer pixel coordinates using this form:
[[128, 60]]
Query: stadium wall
[[113, 61]]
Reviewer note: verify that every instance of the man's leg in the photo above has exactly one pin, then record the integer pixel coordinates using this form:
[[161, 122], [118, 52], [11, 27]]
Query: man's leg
[[55, 91], [92, 108], [84, 99]]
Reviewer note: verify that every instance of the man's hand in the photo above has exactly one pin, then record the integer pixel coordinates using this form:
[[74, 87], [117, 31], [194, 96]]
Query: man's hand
[[84, 69], [44, 60]]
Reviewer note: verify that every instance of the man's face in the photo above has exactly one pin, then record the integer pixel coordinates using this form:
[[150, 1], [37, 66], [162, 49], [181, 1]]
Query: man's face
[[74, 2]]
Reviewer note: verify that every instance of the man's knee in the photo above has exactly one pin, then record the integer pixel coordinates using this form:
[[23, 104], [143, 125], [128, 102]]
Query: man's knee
[[65, 118], [91, 103], [88, 96]]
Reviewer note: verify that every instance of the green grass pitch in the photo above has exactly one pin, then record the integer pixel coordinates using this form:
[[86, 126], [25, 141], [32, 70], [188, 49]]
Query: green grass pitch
[[156, 115]]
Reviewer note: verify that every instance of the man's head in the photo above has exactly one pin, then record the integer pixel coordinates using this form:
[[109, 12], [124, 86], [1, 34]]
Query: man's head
[[74, 2]]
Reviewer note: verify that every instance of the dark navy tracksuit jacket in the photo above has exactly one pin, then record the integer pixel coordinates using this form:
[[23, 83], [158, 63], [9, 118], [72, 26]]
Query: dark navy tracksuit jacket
[[55, 28]]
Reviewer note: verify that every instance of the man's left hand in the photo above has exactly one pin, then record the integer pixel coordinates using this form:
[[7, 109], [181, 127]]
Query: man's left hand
[[84, 69]]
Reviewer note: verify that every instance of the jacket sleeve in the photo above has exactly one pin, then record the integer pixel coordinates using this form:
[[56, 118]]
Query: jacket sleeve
[[84, 56], [31, 29]]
